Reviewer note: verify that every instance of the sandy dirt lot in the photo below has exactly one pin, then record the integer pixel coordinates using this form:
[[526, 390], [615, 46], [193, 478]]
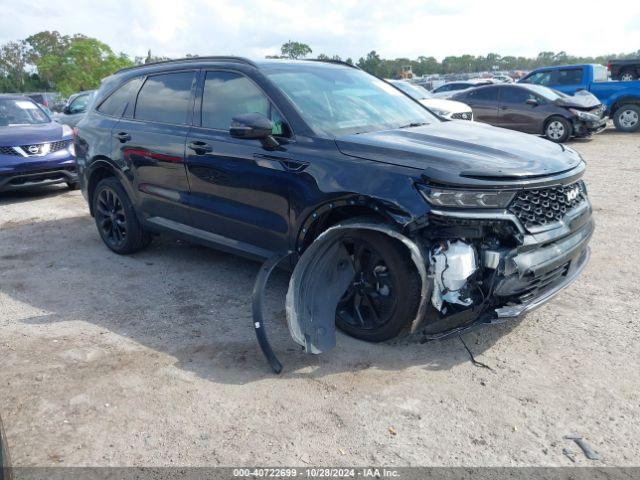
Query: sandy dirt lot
[[151, 359]]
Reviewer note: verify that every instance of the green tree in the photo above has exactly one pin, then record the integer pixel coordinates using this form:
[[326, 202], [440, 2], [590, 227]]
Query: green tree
[[372, 63], [83, 64], [295, 50], [13, 60]]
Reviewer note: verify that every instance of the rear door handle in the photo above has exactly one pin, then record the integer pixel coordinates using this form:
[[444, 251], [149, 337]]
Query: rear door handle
[[200, 147], [123, 137]]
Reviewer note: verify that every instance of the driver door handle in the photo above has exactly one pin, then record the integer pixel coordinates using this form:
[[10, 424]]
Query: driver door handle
[[200, 147]]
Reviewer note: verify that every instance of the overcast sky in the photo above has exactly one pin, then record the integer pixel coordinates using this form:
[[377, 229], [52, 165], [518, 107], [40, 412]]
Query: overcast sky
[[349, 28]]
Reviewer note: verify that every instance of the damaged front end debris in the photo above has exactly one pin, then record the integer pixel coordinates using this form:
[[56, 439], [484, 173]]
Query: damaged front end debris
[[473, 268]]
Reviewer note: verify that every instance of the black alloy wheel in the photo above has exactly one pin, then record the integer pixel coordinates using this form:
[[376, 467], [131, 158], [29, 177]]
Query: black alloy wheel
[[116, 218], [384, 292], [111, 218]]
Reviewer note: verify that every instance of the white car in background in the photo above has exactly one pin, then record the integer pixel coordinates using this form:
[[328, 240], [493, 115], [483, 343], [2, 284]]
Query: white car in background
[[501, 78], [444, 108]]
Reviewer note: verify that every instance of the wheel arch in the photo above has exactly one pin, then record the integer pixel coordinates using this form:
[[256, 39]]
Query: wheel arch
[[332, 213], [320, 278], [619, 102], [554, 116], [101, 167]]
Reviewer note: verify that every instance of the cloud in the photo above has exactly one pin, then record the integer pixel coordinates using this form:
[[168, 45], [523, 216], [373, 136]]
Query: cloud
[[349, 28]]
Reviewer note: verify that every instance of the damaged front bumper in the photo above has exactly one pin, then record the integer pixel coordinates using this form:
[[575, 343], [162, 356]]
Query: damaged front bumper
[[494, 269], [516, 279], [515, 311]]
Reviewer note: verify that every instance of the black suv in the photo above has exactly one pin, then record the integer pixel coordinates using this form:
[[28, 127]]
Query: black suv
[[395, 217]]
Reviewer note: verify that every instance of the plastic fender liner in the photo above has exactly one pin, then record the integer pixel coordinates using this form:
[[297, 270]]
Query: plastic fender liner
[[321, 277]]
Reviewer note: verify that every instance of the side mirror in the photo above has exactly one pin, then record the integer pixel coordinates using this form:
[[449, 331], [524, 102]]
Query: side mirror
[[532, 101], [66, 110], [253, 126]]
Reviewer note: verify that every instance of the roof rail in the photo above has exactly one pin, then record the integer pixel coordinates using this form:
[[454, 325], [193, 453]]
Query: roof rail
[[330, 60], [192, 59]]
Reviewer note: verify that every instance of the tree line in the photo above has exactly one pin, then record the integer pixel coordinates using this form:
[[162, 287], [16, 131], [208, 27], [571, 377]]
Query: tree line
[[49, 61]]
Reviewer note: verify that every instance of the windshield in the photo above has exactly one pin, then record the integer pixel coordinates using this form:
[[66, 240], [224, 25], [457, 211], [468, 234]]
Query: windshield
[[413, 91], [16, 111], [339, 101], [546, 93]]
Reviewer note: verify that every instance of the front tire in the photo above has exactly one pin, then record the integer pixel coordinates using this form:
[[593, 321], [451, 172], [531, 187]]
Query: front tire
[[116, 218], [627, 118], [385, 293], [558, 129], [72, 185]]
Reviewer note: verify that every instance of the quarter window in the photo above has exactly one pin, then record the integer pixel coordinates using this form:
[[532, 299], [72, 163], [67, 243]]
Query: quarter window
[[228, 94], [166, 98], [488, 94], [115, 103]]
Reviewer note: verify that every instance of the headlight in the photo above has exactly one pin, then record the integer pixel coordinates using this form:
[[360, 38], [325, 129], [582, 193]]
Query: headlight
[[466, 198], [67, 130], [442, 113], [72, 149], [587, 117]]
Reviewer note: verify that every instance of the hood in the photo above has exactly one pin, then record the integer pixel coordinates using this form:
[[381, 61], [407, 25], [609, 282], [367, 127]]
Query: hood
[[28, 134], [581, 99], [447, 105], [459, 152]]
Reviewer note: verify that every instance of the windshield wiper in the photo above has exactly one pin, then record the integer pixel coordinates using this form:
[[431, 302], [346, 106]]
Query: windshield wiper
[[415, 124]]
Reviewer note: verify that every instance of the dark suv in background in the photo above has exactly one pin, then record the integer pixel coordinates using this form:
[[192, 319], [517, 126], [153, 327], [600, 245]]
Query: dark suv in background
[[398, 218]]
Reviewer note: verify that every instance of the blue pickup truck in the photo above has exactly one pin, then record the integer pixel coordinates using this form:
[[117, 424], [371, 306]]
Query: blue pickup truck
[[622, 99]]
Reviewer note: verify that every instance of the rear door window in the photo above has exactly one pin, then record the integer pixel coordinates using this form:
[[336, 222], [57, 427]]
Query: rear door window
[[166, 98], [515, 95], [228, 94], [569, 76]]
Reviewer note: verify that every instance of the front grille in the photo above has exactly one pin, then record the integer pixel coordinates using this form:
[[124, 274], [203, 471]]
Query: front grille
[[548, 205], [8, 151], [61, 145], [53, 147], [462, 116], [539, 284]]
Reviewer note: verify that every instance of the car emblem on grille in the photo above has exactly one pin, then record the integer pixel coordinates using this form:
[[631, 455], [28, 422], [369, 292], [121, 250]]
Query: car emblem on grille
[[573, 194], [33, 149]]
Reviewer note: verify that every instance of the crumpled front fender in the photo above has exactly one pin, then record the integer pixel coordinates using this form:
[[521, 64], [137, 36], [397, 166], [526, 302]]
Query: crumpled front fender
[[321, 277]]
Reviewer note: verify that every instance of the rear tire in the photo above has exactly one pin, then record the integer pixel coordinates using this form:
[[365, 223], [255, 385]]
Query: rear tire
[[628, 76], [627, 118], [385, 294], [116, 218], [558, 129]]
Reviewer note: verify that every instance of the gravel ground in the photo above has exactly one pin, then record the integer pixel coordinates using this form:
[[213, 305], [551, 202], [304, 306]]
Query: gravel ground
[[151, 359]]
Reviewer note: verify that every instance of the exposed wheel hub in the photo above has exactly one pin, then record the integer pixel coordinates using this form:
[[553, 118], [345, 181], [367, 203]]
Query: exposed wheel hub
[[370, 300], [629, 118]]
